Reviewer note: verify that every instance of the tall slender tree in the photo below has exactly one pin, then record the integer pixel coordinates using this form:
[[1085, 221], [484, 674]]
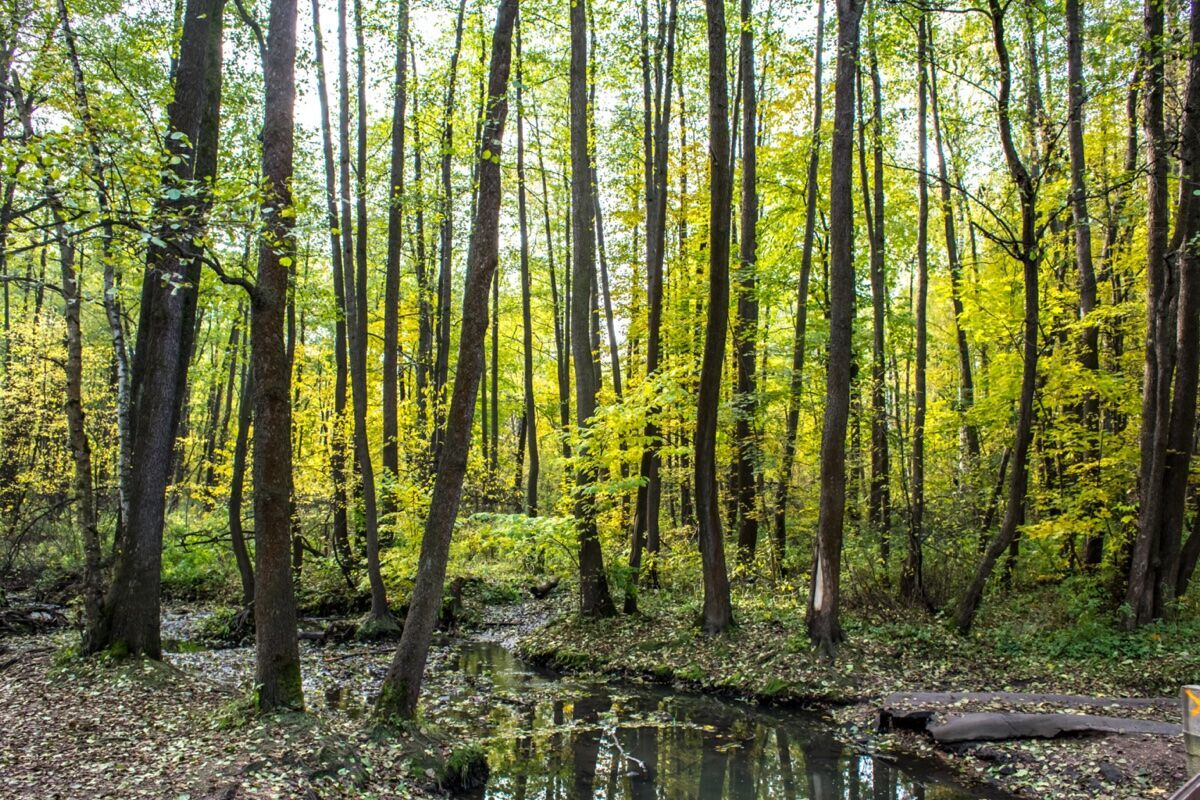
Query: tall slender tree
[[799, 338], [277, 655], [530, 404], [656, 119], [718, 610], [912, 585], [391, 291], [402, 683], [337, 455], [593, 584], [824, 627], [1026, 250], [129, 619], [746, 328]]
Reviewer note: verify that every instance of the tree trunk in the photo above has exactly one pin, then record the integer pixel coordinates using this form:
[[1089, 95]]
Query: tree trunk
[[879, 495], [561, 340], [746, 328], [1161, 292], [530, 418], [424, 308], [966, 379], [379, 620], [277, 657], [391, 291], [593, 584], [337, 235], [77, 439], [656, 120], [129, 620], [912, 583], [237, 482], [402, 684], [799, 344], [718, 611], [441, 367], [113, 309], [1089, 354], [824, 629], [1027, 252], [1182, 427]]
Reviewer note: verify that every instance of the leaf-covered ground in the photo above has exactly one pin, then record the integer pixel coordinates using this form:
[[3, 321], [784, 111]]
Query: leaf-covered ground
[[81, 729], [1023, 648]]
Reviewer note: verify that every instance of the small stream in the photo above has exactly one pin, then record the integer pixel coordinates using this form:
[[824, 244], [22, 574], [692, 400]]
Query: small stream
[[552, 736]]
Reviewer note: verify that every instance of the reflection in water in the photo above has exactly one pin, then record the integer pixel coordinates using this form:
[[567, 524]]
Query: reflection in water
[[562, 740]]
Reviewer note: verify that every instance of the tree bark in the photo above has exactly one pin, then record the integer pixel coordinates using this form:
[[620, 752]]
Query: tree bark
[[879, 504], [1171, 581], [391, 291], [912, 583], [824, 629], [379, 619], [656, 119], [337, 235], [277, 657], [746, 326], [799, 343], [402, 684], [1089, 354], [530, 418], [718, 611], [129, 620], [593, 584], [1161, 298], [1027, 253], [441, 367]]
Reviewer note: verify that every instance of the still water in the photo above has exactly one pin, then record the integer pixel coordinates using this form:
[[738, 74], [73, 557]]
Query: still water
[[561, 739]]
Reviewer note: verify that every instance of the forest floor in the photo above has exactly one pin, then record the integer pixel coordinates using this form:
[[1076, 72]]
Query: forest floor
[[75, 728], [767, 658]]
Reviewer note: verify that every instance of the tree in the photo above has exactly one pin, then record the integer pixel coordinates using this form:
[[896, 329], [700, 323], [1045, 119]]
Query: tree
[[824, 627], [593, 584], [391, 292], [1157, 573], [799, 339], [656, 121], [530, 406], [718, 611], [912, 583], [1089, 353], [879, 505], [129, 619], [337, 459], [277, 656], [1026, 252], [379, 620], [746, 326], [402, 684]]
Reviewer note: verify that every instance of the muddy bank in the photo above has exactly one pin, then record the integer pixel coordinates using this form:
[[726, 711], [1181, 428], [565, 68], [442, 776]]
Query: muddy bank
[[769, 663]]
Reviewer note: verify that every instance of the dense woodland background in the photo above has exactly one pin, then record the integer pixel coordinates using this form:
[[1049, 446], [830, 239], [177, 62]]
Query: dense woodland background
[[855, 304]]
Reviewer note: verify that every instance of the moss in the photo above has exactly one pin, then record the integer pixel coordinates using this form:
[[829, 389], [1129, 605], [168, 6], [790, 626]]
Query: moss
[[571, 659], [466, 769], [288, 692], [374, 628], [117, 651]]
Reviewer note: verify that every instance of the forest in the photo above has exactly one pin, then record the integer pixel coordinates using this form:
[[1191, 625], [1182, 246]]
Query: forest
[[824, 355]]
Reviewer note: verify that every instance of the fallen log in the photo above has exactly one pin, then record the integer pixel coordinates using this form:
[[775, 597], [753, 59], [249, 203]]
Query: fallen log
[[541, 591], [992, 726], [1023, 698]]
